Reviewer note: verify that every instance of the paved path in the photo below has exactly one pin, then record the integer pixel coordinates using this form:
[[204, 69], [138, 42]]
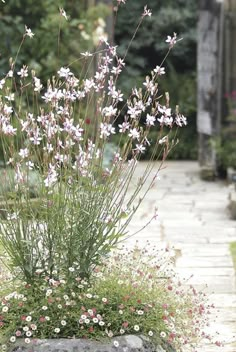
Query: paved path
[[193, 217]]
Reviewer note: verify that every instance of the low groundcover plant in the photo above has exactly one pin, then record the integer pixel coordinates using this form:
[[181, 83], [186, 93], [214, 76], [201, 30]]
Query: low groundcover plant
[[57, 245], [132, 292]]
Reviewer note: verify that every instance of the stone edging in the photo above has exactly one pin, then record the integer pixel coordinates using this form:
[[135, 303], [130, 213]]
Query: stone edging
[[127, 343]]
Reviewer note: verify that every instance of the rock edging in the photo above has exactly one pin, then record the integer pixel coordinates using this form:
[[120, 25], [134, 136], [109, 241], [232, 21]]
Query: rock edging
[[127, 343]]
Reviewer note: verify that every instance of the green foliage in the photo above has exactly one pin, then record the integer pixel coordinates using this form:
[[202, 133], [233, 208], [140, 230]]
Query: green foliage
[[8, 184], [57, 42], [131, 293], [148, 50]]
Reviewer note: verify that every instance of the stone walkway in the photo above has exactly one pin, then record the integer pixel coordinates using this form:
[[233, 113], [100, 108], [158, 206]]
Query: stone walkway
[[193, 218]]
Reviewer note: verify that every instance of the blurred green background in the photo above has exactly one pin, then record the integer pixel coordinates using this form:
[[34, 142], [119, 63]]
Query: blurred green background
[[45, 56]]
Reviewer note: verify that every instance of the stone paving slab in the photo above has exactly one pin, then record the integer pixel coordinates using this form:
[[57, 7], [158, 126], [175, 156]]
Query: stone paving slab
[[193, 216]]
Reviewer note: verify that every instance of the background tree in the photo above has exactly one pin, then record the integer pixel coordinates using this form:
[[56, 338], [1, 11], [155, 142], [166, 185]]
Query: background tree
[[149, 49]]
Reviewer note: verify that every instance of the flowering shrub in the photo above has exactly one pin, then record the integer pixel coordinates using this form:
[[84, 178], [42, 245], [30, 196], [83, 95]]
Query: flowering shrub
[[82, 208], [57, 246], [132, 292]]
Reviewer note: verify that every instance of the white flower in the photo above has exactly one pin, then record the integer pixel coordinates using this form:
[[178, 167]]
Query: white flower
[[87, 321], [57, 330], [48, 292], [10, 74], [64, 72], [88, 295], [171, 40], [37, 84], [164, 110], [10, 97], [116, 343], [63, 323], [59, 306], [150, 333], [159, 70], [133, 132], [27, 340], [24, 153], [106, 129], [163, 334], [28, 32], [101, 323], [44, 307], [109, 111], [86, 54], [25, 328], [147, 12], [23, 72], [136, 327], [63, 13], [140, 312], [47, 318], [5, 309], [28, 318], [163, 140], [2, 82], [33, 327], [12, 339], [28, 333], [95, 320], [150, 120], [180, 120], [122, 331], [104, 300]]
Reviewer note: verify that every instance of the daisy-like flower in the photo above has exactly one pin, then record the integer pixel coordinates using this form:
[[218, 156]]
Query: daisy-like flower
[[5, 309], [63, 323], [12, 339], [28, 318], [28, 32], [163, 334], [150, 333], [136, 328], [116, 344], [27, 340], [57, 330]]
